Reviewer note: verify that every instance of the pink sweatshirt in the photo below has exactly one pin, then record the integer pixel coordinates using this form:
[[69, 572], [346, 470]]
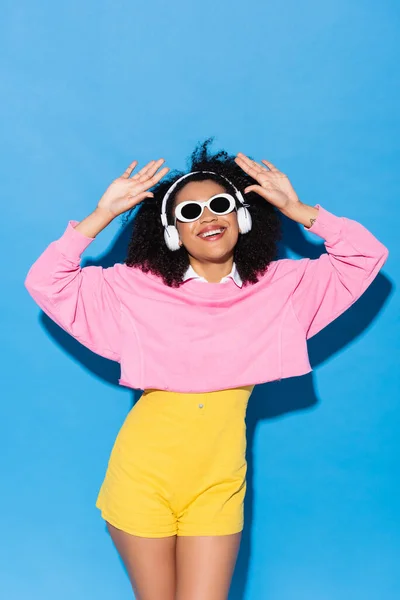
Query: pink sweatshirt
[[205, 336]]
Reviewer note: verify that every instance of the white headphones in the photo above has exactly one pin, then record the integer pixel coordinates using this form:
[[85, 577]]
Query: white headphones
[[171, 235]]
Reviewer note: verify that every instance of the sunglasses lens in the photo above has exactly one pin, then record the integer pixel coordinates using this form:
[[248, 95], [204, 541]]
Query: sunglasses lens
[[220, 205], [191, 211]]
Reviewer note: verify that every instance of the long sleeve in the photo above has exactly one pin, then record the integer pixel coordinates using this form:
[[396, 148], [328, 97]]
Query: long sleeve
[[81, 300], [330, 284]]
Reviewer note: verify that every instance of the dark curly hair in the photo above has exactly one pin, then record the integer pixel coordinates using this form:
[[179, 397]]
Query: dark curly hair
[[254, 250]]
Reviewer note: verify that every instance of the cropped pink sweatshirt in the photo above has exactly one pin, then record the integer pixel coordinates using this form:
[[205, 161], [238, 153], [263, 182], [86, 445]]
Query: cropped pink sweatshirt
[[204, 336]]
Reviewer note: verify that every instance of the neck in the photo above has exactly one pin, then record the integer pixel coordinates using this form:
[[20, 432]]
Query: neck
[[211, 271]]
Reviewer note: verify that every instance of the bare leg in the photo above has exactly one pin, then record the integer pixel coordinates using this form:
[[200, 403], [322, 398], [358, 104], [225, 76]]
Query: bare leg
[[205, 566], [150, 563]]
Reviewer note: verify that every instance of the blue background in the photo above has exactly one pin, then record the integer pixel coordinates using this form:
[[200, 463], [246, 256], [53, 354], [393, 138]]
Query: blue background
[[311, 86]]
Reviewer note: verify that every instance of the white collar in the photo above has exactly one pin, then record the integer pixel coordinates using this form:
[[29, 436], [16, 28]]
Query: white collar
[[191, 274]]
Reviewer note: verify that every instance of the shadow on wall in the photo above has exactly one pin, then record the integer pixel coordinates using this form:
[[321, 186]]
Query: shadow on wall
[[268, 400]]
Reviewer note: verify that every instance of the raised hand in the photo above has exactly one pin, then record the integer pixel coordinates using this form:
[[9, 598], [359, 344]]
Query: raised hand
[[274, 185], [125, 192]]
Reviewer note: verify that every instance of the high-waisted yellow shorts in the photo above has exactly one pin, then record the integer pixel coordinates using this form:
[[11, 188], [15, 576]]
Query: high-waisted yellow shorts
[[178, 465]]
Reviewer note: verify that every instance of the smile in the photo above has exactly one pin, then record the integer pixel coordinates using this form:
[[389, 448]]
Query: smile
[[213, 234]]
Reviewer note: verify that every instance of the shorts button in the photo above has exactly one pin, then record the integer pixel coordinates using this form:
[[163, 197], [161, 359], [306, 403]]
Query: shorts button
[[201, 405]]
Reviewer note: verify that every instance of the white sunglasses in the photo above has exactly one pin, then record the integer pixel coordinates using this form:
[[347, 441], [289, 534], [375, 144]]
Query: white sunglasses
[[191, 210]]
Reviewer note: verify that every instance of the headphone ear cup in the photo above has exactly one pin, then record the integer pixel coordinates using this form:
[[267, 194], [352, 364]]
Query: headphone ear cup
[[244, 220], [171, 237]]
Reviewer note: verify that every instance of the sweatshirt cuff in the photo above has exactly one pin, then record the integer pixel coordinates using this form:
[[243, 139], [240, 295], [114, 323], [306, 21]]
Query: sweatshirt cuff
[[72, 243], [326, 225]]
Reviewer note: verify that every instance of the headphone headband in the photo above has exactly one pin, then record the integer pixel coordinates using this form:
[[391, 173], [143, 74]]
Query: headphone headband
[[164, 219]]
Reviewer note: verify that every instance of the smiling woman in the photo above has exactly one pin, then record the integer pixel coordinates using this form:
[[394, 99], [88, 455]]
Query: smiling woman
[[198, 314], [211, 257]]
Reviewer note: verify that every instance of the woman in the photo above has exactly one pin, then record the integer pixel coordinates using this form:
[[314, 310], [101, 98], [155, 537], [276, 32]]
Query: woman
[[197, 315]]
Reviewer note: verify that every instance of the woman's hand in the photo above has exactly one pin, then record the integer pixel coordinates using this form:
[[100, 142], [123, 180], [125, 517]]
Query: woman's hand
[[125, 192], [274, 185], [122, 195]]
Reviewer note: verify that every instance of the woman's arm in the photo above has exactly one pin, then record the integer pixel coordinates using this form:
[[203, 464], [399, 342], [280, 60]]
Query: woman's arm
[[327, 286], [330, 284], [84, 301], [94, 223]]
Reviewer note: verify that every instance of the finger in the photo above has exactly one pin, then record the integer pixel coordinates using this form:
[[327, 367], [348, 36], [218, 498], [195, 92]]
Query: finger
[[246, 159], [157, 177], [258, 189], [142, 196], [148, 167], [251, 188], [152, 176], [129, 169], [135, 199], [249, 167], [148, 183], [153, 169], [254, 165], [149, 170], [270, 165], [145, 168]]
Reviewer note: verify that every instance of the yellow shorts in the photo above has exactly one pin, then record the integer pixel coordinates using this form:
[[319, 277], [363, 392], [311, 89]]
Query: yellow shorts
[[178, 465]]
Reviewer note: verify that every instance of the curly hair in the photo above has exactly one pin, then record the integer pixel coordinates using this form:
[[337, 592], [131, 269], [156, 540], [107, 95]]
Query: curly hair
[[253, 251]]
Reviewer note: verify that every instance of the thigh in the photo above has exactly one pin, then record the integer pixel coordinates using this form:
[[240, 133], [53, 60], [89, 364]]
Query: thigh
[[205, 565], [150, 563], [136, 493]]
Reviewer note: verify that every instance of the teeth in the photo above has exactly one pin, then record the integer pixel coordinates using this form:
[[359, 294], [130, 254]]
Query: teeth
[[212, 232]]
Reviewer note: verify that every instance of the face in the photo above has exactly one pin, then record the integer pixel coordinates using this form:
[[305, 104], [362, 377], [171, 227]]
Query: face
[[212, 249]]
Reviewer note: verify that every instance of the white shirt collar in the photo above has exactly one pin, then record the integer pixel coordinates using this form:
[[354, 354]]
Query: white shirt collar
[[191, 274]]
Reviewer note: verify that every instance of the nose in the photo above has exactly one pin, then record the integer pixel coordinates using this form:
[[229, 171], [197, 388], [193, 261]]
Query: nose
[[207, 215]]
